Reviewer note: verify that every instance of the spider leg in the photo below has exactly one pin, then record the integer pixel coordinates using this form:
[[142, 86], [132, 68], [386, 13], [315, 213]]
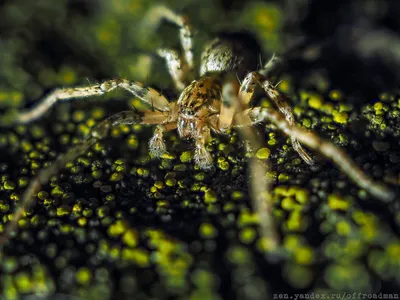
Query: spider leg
[[99, 132], [273, 66], [156, 143], [160, 12], [177, 67], [202, 156], [247, 90], [260, 187], [148, 95], [326, 148]]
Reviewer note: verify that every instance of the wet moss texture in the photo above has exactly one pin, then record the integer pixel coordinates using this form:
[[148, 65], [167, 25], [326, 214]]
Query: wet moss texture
[[117, 223]]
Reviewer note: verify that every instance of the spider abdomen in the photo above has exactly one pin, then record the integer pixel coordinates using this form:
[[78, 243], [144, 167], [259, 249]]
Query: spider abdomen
[[230, 52]]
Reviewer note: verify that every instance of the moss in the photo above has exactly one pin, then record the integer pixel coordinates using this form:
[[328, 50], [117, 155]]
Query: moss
[[186, 156], [57, 191], [283, 177], [82, 222], [288, 203], [247, 218], [117, 176], [238, 255], [314, 100], [117, 228], [166, 228], [335, 202], [351, 278], [340, 117], [9, 185], [23, 282], [263, 153], [207, 231], [298, 276], [335, 95], [237, 195], [210, 196], [223, 164], [170, 181], [83, 276], [130, 238], [247, 235], [63, 211]]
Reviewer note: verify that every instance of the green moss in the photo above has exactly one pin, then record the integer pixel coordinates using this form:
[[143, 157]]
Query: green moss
[[303, 255], [117, 228], [63, 211], [237, 195], [350, 277], [130, 238], [23, 282], [57, 191], [170, 182], [87, 209], [298, 276], [78, 116], [180, 168], [288, 203], [208, 231], [263, 153], [336, 202], [247, 218], [340, 117], [238, 255], [248, 235], [223, 164], [82, 222], [9, 185], [186, 156], [117, 176], [83, 276], [343, 228], [210, 196], [283, 177], [296, 222]]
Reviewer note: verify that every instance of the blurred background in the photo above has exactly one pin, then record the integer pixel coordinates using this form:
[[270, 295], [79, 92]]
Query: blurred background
[[341, 69]]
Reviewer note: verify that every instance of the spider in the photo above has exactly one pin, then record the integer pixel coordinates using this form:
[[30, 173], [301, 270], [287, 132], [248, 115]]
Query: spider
[[215, 102]]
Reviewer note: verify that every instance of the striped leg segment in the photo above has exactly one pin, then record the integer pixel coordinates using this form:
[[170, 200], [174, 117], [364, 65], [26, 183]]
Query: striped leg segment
[[260, 187], [326, 148], [247, 90], [149, 95], [154, 17], [177, 67]]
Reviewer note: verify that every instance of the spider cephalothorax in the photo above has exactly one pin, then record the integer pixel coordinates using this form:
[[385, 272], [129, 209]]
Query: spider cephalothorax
[[197, 104], [214, 102]]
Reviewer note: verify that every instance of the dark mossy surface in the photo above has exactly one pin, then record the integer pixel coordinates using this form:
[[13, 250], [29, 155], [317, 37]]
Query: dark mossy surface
[[119, 224]]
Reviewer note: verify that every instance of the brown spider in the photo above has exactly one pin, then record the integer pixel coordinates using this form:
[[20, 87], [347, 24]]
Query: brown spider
[[216, 102]]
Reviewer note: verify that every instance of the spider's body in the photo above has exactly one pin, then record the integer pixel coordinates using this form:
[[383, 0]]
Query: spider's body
[[200, 102], [216, 101], [197, 103]]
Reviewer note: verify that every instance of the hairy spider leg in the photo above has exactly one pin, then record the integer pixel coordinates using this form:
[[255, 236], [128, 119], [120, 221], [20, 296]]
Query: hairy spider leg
[[149, 95], [180, 68], [272, 67], [99, 132], [202, 156], [260, 186], [246, 92], [177, 67], [326, 148], [156, 143]]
